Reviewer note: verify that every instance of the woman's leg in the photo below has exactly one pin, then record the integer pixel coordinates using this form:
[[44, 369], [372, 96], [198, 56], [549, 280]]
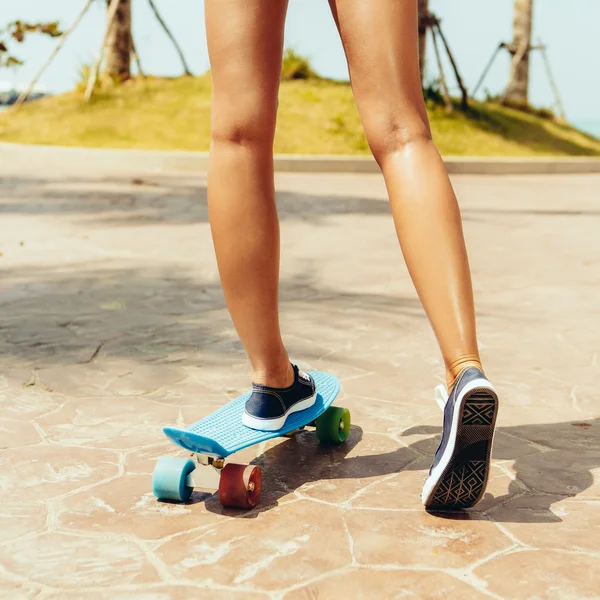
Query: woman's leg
[[381, 44], [245, 42]]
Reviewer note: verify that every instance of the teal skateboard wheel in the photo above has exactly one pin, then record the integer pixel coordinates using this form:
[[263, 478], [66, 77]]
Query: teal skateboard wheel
[[169, 479]]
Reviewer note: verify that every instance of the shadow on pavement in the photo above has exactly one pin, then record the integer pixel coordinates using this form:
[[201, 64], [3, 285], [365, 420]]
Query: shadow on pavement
[[126, 201], [155, 315], [558, 473], [561, 468], [149, 314]]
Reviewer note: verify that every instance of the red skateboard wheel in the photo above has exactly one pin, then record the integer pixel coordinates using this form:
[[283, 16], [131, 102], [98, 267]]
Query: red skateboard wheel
[[240, 486]]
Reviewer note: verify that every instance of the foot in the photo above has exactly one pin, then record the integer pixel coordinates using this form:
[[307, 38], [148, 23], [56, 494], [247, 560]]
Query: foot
[[268, 408], [460, 469]]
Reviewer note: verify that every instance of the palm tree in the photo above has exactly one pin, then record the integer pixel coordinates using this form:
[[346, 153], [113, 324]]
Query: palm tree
[[517, 89], [119, 43], [423, 11]]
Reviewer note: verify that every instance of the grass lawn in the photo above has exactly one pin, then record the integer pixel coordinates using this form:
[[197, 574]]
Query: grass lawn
[[315, 117]]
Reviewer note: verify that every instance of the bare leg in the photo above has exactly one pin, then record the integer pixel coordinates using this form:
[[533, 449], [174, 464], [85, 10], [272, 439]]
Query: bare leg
[[245, 41], [381, 44]]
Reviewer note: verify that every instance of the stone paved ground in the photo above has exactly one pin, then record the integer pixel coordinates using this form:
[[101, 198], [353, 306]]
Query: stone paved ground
[[112, 324]]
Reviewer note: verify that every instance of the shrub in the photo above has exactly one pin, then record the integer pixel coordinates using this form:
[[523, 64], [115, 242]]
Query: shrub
[[433, 94], [296, 66], [83, 74]]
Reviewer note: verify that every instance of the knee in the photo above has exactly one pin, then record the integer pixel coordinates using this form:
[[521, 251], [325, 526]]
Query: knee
[[390, 134], [242, 132], [243, 124]]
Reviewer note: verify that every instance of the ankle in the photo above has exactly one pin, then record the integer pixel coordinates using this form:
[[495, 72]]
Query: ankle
[[279, 375], [454, 369]]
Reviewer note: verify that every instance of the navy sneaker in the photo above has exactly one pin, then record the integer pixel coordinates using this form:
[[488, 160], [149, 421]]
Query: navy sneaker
[[268, 408], [460, 469]]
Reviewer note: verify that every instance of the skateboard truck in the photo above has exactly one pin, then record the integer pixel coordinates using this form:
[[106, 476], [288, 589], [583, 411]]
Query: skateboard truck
[[238, 486], [207, 460], [203, 478]]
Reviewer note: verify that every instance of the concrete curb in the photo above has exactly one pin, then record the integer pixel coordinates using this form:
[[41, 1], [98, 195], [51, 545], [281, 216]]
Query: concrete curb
[[60, 157]]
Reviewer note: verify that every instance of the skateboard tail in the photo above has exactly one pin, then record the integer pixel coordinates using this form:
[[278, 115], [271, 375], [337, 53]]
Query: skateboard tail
[[195, 443]]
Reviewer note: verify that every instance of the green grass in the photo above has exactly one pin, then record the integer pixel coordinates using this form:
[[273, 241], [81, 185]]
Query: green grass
[[315, 117]]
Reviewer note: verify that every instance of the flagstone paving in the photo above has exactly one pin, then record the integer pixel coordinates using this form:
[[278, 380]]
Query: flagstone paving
[[112, 324]]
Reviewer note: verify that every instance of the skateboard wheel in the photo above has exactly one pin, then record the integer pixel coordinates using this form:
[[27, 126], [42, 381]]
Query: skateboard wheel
[[240, 486], [333, 426], [169, 479]]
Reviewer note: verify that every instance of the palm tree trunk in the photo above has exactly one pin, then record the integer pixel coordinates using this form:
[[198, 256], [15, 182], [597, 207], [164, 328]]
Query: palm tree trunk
[[119, 44], [423, 11], [517, 91]]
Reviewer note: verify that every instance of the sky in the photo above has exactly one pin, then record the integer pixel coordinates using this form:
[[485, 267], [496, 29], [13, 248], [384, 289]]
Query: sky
[[473, 28]]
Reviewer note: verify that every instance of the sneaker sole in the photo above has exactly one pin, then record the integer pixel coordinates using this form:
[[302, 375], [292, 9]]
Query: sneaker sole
[[464, 475], [279, 422]]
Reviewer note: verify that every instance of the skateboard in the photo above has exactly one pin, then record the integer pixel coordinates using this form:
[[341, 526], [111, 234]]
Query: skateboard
[[212, 439]]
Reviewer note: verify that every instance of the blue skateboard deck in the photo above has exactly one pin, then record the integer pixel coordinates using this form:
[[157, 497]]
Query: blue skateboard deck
[[222, 433]]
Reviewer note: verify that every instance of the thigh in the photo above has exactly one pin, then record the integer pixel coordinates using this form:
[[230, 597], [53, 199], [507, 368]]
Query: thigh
[[245, 44], [380, 39]]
